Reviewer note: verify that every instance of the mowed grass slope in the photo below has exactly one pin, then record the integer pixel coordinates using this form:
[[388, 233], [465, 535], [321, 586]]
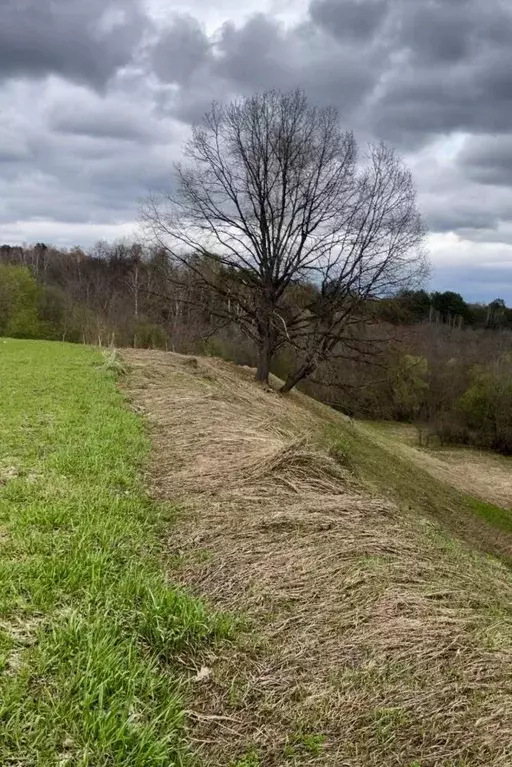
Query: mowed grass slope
[[423, 485], [95, 646], [480, 473], [380, 636]]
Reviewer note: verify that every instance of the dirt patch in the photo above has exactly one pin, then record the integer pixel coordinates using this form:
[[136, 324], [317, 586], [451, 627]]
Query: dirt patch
[[7, 473], [374, 640]]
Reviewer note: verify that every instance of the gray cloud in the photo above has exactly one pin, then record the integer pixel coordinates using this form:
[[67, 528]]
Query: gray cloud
[[438, 32], [103, 119], [13, 149], [96, 99], [180, 50], [355, 19], [263, 53], [447, 69], [407, 71], [488, 159], [253, 55], [404, 70], [86, 41], [78, 158], [465, 217]]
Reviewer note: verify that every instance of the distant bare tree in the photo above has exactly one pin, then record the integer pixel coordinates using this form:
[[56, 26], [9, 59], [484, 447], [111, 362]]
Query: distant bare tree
[[275, 214]]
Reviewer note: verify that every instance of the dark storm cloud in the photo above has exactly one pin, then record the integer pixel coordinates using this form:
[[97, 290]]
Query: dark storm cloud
[[83, 40], [180, 50], [437, 32], [488, 159], [404, 70], [447, 67], [359, 20], [412, 72], [254, 54], [263, 53]]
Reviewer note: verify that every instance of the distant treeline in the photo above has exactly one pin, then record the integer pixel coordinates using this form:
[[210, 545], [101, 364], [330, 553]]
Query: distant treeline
[[442, 362], [126, 293], [448, 308]]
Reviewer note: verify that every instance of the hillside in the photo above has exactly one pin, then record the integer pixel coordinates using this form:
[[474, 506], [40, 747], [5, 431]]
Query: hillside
[[483, 474], [374, 596], [263, 582]]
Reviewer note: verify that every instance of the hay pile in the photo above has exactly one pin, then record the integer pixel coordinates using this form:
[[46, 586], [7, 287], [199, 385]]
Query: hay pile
[[375, 640]]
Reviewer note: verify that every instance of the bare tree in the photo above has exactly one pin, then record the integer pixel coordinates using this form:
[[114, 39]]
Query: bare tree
[[274, 212]]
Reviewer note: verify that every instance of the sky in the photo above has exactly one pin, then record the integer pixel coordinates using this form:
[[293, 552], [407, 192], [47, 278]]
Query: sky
[[97, 99]]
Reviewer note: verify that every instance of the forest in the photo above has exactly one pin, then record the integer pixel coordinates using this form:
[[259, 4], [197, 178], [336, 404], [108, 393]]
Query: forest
[[427, 358]]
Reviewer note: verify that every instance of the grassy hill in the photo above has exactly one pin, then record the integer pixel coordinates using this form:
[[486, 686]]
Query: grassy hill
[[211, 574], [376, 635]]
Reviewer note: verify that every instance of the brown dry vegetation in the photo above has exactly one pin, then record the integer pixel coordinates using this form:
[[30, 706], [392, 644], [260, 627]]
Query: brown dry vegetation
[[372, 638], [483, 474]]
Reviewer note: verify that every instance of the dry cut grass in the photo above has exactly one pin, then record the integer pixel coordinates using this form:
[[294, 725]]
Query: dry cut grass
[[372, 640]]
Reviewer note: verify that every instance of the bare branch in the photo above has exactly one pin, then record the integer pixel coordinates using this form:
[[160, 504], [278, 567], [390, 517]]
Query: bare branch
[[272, 199]]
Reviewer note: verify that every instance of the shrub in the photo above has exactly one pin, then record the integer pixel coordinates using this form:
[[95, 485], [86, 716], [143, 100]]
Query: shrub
[[19, 297], [483, 414], [148, 335]]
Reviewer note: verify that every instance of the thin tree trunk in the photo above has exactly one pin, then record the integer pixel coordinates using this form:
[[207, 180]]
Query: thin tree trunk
[[136, 303], [263, 369], [293, 379]]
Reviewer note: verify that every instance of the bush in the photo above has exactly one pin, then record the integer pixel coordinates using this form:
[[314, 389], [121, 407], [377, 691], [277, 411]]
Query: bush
[[19, 297], [486, 407], [482, 416], [52, 310], [148, 335]]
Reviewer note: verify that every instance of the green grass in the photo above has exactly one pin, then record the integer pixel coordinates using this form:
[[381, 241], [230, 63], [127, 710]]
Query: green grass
[[499, 518], [304, 743], [94, 643]]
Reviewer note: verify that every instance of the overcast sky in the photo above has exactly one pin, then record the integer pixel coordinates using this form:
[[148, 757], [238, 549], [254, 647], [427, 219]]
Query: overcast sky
[[97, 98]]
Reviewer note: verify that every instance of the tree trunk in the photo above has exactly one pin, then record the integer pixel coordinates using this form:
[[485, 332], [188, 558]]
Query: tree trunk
[[263, 369], [293, 379]]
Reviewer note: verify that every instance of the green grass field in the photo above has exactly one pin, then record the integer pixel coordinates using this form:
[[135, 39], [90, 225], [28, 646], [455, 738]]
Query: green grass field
[[95, 647]]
